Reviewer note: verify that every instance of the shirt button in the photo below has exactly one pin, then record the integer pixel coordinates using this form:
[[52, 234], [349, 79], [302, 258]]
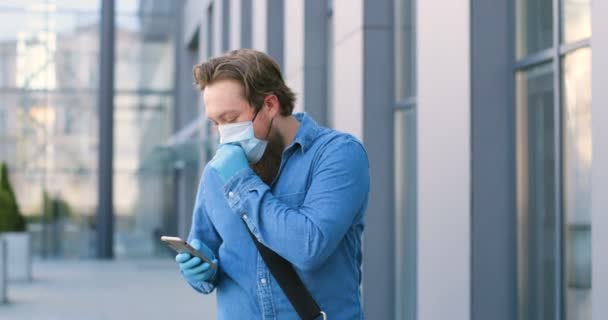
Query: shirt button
[[231, 194], [263, 281], [245, 217]]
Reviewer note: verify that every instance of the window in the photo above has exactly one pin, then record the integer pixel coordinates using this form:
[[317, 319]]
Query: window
[[576, 83], [554, 159], [537, 215], [576, 15]]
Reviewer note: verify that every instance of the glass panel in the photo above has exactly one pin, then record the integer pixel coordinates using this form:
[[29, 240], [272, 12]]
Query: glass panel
[[576, 23], [537, 218], [48, 94], [405, 50], [49, 143], [49, 51], [142, 188], [577, 182], [405, 214], [534, 20], [144, 53], [55, 5], [49, 62]]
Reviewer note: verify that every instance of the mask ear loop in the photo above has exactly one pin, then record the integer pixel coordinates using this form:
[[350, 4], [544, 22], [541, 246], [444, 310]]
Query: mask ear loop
[[269, 127]]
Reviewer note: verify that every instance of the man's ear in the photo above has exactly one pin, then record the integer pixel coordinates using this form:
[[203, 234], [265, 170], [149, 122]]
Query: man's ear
[[274, 107]]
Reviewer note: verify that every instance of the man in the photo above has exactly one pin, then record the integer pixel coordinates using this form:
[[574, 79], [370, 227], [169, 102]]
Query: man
[[300, 189]]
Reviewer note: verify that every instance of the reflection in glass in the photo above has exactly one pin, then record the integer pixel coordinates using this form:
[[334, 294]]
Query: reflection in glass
[[534, 26], [144, 53], [49, 62], [405, 214], [577, 183], [537, 218], [576, 24], [142, 185], [405, 50], [48, 66]]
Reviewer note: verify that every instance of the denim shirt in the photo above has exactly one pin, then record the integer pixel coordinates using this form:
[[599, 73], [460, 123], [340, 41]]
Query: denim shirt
[[312, 215]]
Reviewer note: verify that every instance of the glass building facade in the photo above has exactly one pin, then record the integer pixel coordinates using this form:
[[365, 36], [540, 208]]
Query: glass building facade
[[49, 120], [553, 89]]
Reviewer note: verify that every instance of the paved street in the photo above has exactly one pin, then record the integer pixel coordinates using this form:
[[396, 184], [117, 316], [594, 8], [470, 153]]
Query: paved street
[[94, 290]]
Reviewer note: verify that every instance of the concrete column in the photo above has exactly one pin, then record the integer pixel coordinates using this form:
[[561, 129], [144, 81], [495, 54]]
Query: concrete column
[[348, 67], [444, 160], [364, 100], [306, 55], [293, 70], [218, 27], [493, 163], [268, 28], [235, 24], [259, 25], [599, 65]]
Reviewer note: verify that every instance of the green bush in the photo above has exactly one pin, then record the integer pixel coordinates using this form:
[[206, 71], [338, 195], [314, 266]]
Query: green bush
[[49, 204], [11, 219]]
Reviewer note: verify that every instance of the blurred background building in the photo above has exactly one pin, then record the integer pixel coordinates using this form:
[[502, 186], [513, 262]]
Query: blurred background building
[[476, 116]]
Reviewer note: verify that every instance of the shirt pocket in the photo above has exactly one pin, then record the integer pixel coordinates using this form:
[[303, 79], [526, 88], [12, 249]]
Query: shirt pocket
[[293, 200]]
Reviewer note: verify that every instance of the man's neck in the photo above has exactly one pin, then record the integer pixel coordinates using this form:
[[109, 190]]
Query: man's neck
[[288, 129]]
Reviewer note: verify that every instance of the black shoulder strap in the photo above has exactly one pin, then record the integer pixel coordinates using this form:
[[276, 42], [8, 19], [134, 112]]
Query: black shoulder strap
[[290, 282]]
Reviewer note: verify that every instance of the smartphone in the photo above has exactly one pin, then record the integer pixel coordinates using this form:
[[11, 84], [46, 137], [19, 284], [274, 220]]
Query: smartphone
[[180, 246]]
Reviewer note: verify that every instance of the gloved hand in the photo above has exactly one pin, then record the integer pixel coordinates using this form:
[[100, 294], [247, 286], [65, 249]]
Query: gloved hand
[[193, 268], [228, 160]]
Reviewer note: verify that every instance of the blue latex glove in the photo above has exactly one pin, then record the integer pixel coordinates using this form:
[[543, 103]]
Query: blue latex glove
[[228, 160], [193, 268]]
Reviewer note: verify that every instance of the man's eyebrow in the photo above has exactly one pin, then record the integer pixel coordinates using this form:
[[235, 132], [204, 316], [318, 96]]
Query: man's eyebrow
[[224, 115]]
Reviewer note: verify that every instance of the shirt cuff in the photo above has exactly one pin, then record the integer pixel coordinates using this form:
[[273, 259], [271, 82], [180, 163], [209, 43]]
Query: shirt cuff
[[237, 190], [204, 287]]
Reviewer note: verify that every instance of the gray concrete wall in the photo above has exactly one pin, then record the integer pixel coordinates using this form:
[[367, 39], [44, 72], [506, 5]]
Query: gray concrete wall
[[348, 67], [444, 160], [599, 43], [293, 70], [305, 67]]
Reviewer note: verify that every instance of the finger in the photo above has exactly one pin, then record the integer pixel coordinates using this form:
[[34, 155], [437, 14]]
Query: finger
[[196, 270], [199, 269], [205, 276], [182, 257], [190, 263]]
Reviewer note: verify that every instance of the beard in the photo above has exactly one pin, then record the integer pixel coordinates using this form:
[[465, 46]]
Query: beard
[[268, 166]]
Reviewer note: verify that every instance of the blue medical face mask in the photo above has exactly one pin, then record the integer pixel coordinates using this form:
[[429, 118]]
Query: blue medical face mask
[[241, 133]]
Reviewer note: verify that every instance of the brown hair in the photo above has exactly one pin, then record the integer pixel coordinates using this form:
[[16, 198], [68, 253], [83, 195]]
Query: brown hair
[[256, 71]]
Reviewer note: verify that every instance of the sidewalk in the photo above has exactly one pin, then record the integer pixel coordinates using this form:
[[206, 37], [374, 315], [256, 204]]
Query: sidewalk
[[106, 290]]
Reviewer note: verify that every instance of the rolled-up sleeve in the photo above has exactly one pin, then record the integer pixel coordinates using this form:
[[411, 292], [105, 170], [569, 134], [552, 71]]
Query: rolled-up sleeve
[[202, 229]]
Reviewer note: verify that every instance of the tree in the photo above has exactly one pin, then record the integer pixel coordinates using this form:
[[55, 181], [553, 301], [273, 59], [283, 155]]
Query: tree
[[11, 219]]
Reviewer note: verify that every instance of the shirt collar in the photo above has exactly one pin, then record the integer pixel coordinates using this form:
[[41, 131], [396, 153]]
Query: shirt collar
[[307, 132]]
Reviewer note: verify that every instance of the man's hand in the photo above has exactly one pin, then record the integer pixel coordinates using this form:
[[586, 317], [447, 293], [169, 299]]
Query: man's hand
[[193, 268], [228, 160]]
